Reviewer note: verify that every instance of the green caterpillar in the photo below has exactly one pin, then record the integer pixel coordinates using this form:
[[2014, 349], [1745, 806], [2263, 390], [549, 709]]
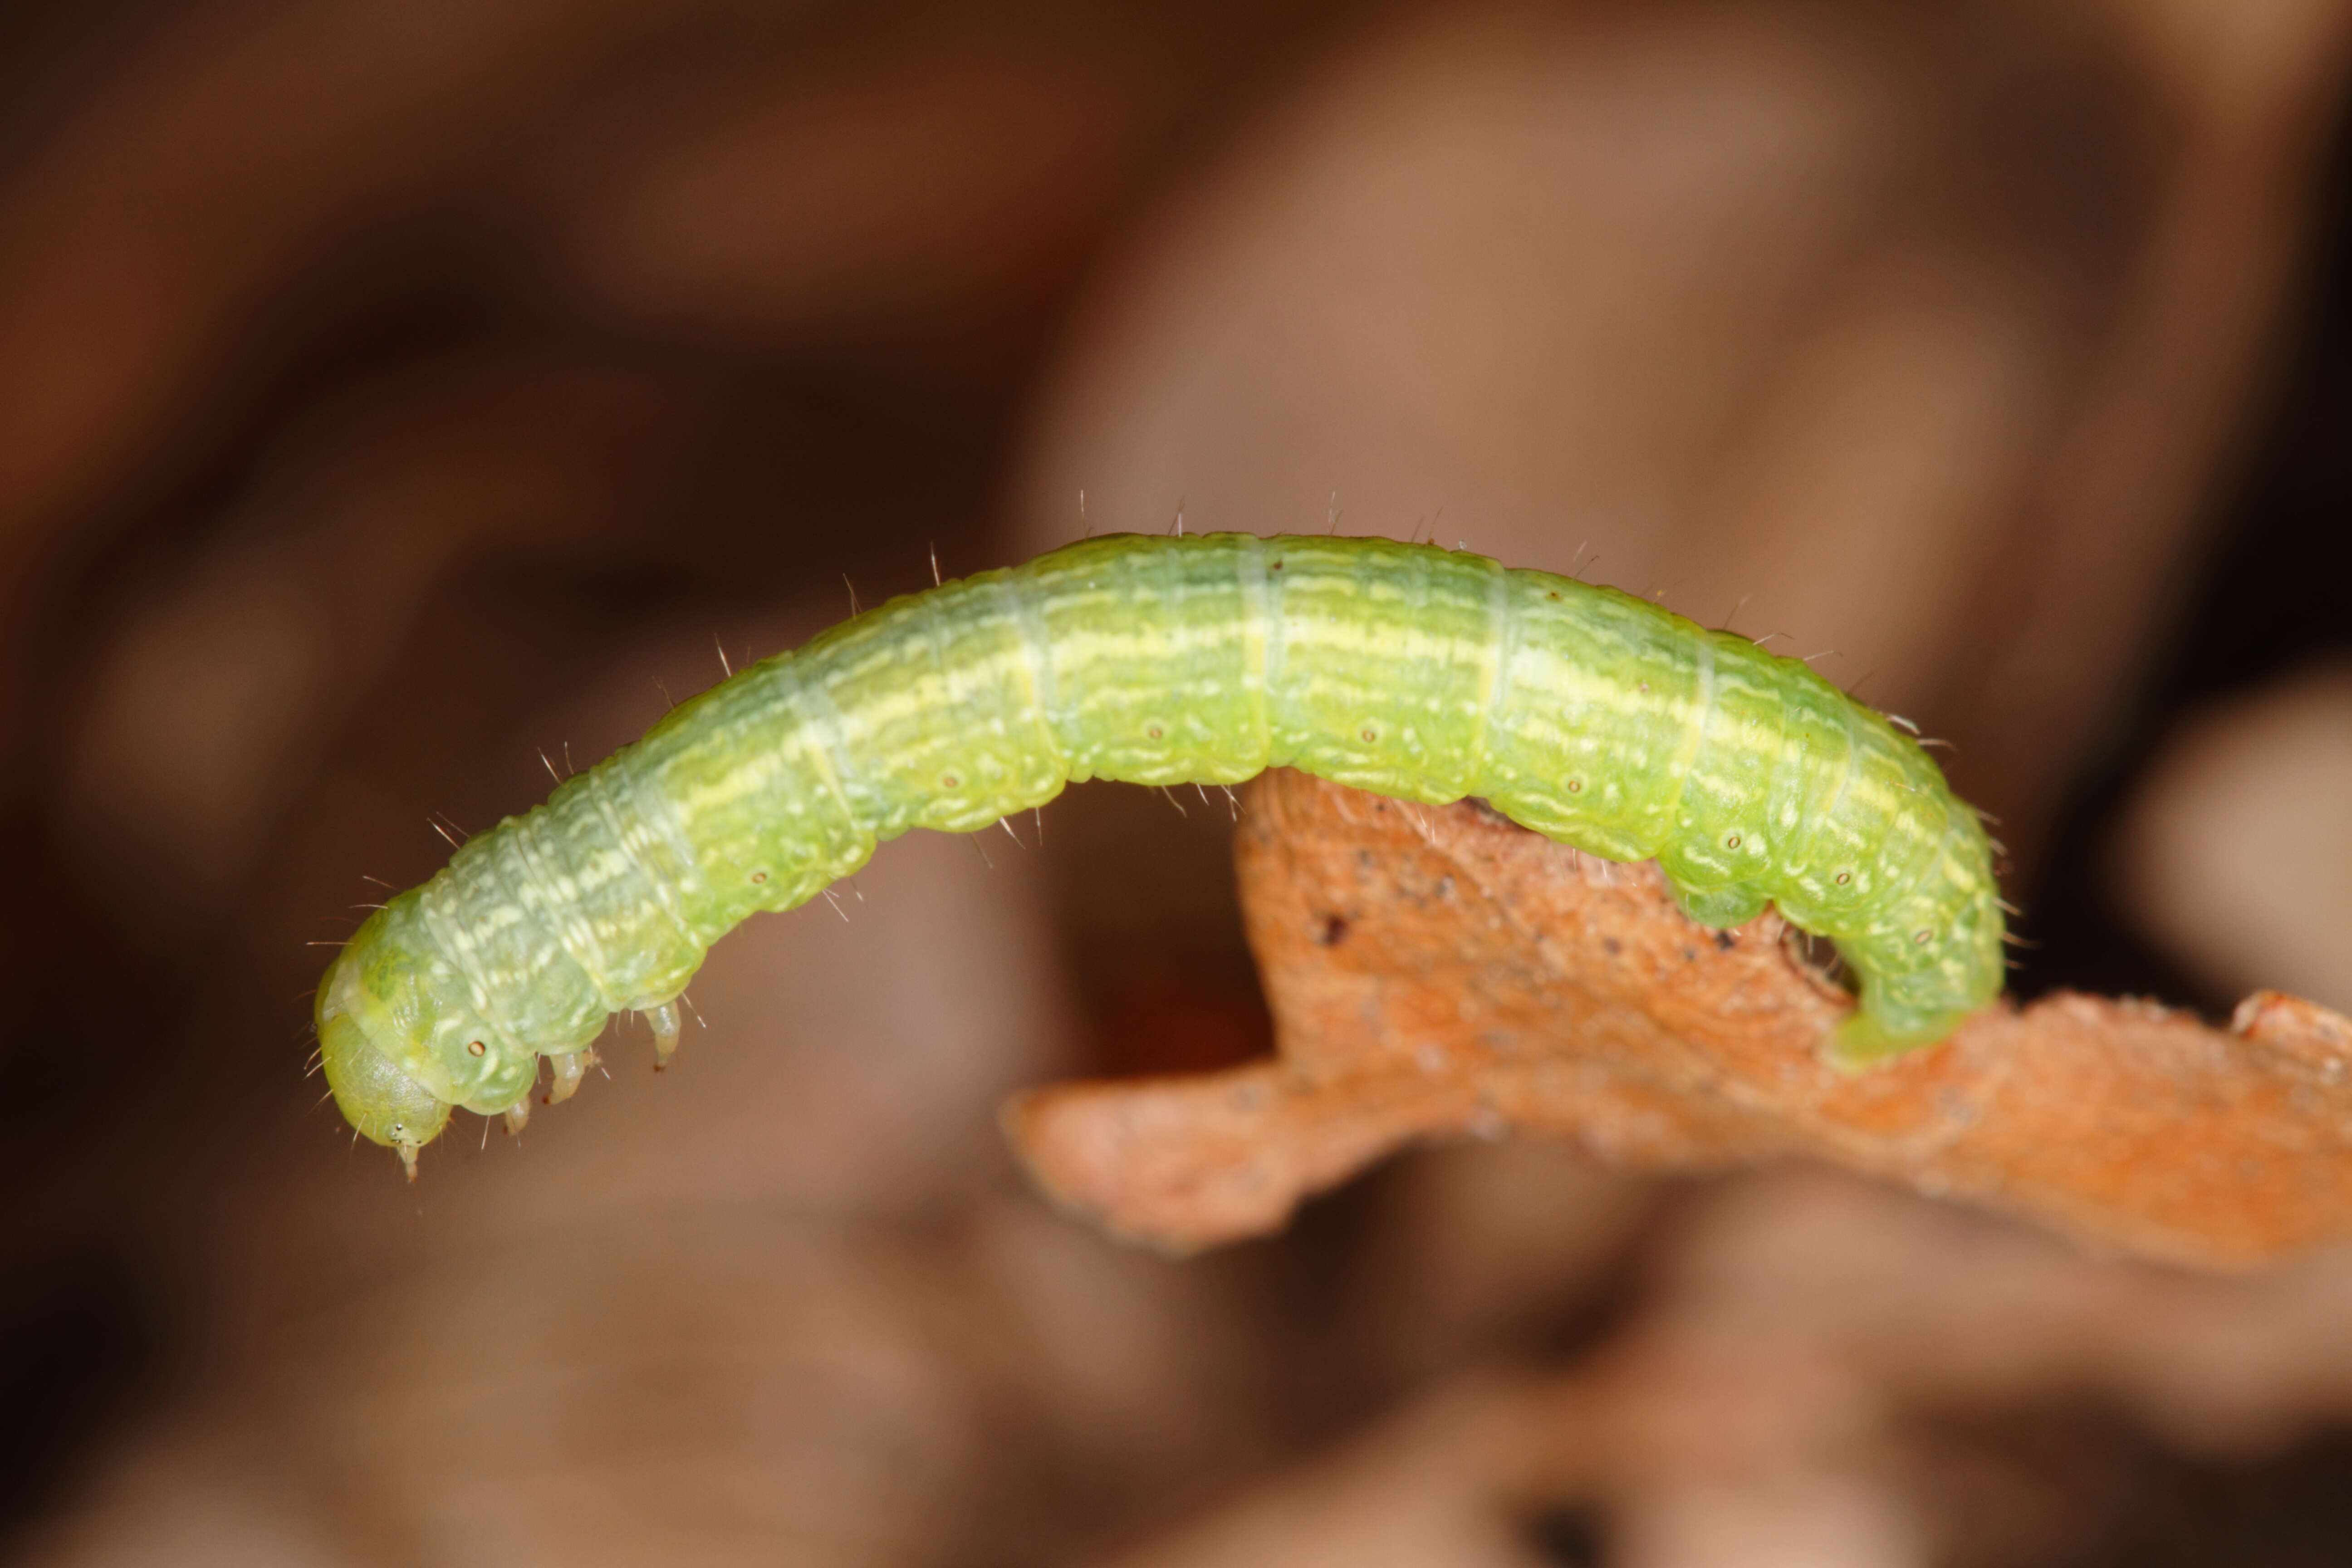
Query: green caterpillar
[[1592, 717]]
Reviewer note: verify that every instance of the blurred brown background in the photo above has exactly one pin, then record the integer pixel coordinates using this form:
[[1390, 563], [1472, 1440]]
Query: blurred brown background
[[394, 392]]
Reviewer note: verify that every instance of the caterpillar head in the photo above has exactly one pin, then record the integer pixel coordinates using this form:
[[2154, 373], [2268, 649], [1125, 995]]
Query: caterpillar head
[[401, 1042], [386, 1105]]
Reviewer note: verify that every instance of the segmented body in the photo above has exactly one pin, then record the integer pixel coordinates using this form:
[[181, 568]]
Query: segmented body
[[1595, 718]]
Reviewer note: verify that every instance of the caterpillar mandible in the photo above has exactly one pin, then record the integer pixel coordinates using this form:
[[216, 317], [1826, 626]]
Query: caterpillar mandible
[[1586, 715]]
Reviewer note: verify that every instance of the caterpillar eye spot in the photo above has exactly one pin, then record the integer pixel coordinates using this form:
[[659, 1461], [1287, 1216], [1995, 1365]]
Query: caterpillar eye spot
[[1576, 786], [1153, 731], [949, 781], [1923, 936], [1553, 595], [476, 1047], [1844, 878], [758, 876], [1371, 735], [1732, 842]]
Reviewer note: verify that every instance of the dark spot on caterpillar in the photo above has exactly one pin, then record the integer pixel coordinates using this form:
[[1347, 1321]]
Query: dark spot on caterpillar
[[1725, 942], [1371, 735], [1611, 946], [949, 781], [1732, 842], [759, 876], [475, 1048], [1690, 955], [1575, 786], [1554, 594], [1844, 878], [1153, 731], [1334, 931], [1923, 936], [1275, 567]]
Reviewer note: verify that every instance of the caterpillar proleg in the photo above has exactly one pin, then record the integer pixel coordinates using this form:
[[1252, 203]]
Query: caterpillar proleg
[[1588, 715]]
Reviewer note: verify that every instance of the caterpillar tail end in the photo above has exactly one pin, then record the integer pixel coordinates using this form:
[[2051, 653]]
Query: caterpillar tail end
[[1865, 1040]]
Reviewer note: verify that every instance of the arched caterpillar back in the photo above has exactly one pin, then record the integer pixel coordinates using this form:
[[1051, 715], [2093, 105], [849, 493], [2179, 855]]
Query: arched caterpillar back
[[1581, 712]]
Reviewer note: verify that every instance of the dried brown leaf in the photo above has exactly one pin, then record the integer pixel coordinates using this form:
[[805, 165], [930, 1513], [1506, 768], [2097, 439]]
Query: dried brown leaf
[[1438, 973]]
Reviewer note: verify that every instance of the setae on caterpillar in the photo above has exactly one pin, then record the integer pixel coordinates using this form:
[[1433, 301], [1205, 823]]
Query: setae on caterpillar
[[1591, 716]]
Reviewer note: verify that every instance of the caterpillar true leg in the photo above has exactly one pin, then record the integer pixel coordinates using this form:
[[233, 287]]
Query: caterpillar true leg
[[566, 1071], [1595, 718], [663, 1019]]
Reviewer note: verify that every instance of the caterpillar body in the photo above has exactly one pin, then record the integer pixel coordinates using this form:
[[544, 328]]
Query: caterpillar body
[[1586, 715]]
